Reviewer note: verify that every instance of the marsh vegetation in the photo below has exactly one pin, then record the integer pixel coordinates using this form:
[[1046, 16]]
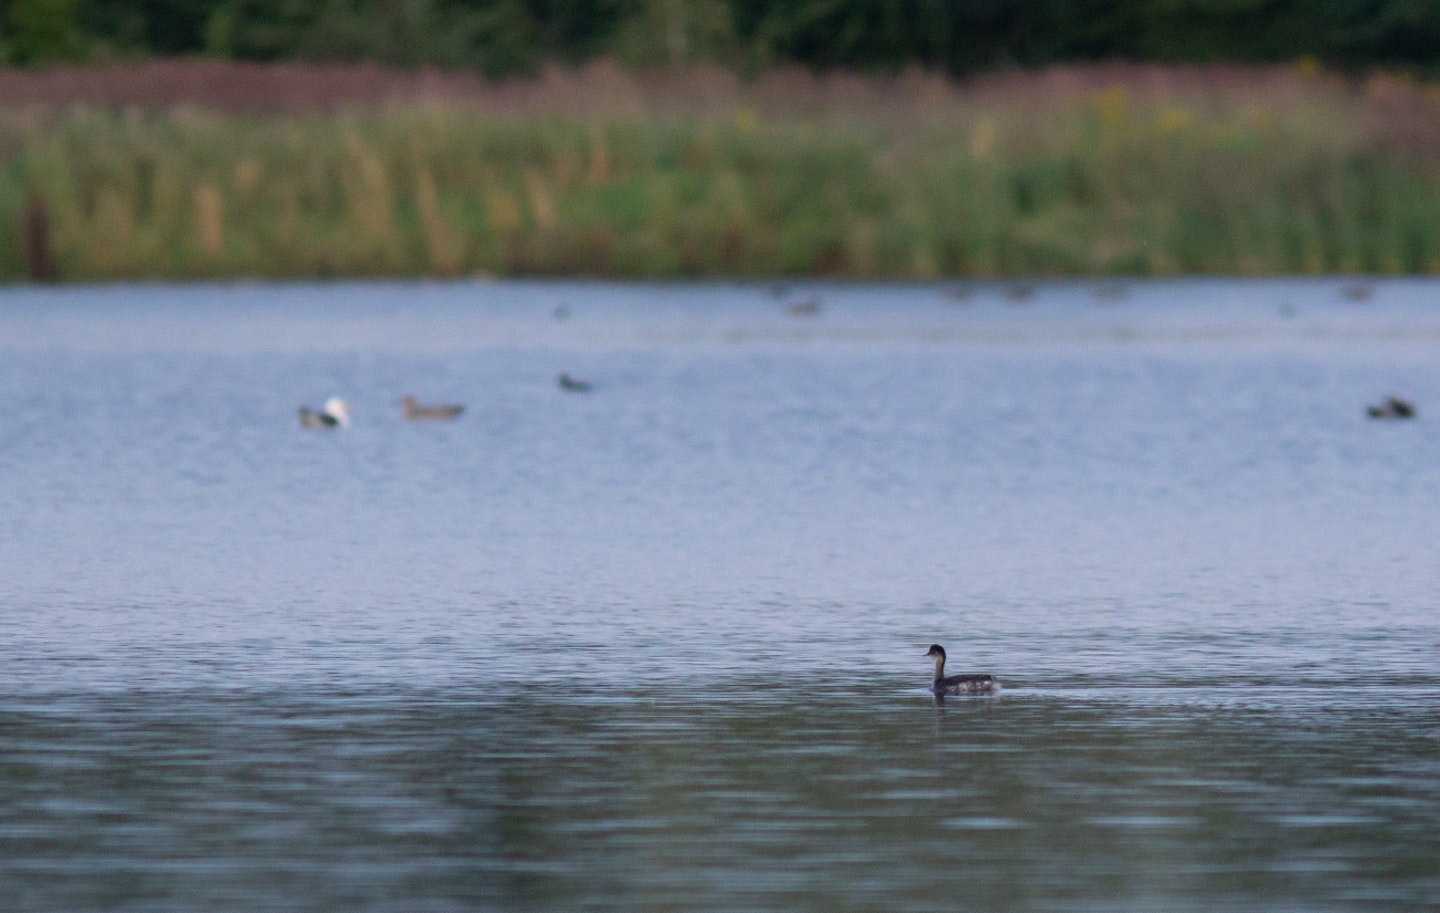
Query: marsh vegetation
[[188, 170]]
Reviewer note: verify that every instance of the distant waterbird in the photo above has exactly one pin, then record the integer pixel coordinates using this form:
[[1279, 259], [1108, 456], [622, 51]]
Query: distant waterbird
[[1393, 407], [1358, 292], [415, 411], [807, 307], [966, 683], [334, 414], [574, 385], [1019, 292]]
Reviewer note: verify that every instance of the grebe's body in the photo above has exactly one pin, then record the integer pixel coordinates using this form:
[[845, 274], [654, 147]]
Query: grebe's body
[[968, 683]]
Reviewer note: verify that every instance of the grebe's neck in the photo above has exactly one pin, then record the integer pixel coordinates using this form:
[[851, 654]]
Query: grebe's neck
[[939, 666]]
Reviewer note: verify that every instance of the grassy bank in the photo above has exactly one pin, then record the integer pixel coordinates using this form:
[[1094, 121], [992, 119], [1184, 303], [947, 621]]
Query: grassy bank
[[1111, 170]]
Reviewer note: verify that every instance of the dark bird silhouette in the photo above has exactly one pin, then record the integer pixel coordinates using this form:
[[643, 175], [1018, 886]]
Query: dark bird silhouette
[[1358, 291], [968, 683], [1393, 407], [572, 385]]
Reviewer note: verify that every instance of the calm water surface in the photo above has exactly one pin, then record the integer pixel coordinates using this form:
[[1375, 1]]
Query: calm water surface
[[659, 646]]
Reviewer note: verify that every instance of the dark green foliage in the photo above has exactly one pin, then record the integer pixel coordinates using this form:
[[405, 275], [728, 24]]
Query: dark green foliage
[[496, 37], [147, 27], [40, 31], [510, 36]]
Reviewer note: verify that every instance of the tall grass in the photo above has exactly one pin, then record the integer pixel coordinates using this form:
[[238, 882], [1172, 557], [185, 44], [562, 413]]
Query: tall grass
[[1102, 171]]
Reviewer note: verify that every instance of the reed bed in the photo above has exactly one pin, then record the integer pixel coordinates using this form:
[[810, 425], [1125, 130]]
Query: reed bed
[[1114, 170]]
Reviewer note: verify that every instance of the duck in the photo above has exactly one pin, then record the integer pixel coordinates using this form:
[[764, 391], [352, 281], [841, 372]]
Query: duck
[[1393, 407], [415, 411], [968, 683], [573, 385], [335, 413]]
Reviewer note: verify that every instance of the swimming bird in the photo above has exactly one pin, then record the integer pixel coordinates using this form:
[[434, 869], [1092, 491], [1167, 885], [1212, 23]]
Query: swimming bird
[[415, 411], [968, 683], [1393, 407], [1020, 292], [1358, 291], [335, 412], [573, 385]]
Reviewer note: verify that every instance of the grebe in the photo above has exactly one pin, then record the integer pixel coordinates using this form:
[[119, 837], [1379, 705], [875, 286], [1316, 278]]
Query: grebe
[[969, 683], [335, 412], [414, 411], [572, 385]]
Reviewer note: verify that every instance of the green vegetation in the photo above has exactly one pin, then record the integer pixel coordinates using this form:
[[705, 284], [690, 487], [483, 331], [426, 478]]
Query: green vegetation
[[1090, 172], [502, 37]]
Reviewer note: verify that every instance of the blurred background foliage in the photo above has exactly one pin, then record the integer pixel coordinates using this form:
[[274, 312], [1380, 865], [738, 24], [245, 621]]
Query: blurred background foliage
[[513, 37], [679, 138]]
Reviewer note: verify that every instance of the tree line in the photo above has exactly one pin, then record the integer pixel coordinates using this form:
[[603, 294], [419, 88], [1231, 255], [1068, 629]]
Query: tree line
[[510, 37]]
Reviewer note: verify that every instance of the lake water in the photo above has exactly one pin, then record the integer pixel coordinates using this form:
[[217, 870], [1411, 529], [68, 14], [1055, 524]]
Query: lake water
[[659, 646]]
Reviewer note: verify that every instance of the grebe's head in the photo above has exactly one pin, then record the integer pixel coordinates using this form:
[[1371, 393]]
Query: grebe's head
[[936, 650]]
